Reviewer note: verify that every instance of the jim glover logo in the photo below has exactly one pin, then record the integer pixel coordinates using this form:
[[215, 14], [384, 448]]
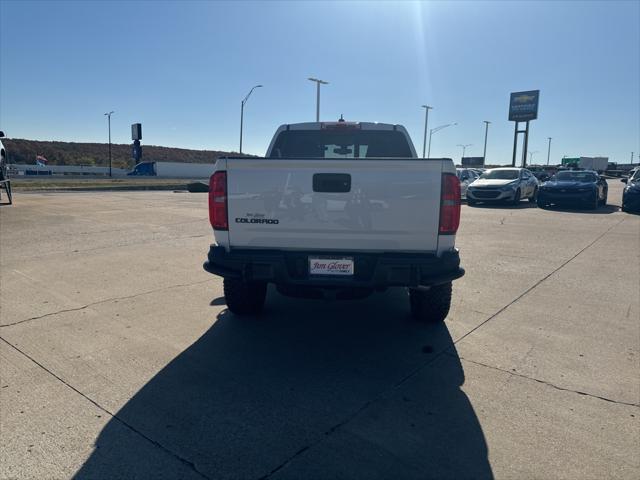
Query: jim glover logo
[[331, 266]]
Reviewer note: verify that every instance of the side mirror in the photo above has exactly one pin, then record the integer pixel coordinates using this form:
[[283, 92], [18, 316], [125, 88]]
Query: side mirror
[[624, 180]]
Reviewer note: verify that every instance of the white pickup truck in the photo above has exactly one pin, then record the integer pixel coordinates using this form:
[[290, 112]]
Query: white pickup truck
[[338, 209]]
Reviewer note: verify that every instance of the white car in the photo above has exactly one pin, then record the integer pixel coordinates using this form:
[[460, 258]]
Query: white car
[[503, 185], [337, 209], [466, 177]]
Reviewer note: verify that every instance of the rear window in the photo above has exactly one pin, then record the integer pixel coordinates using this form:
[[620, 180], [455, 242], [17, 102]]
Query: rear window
[[341, 144]]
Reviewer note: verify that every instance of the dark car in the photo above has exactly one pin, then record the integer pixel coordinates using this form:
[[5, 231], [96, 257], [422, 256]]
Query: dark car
[[574, 187], [631, 193]]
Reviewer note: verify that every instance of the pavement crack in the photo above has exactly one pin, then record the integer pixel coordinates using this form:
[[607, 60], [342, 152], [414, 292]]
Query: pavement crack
[[543, 382], [535, 285], [99, 302], [115, 417], [357, 412]]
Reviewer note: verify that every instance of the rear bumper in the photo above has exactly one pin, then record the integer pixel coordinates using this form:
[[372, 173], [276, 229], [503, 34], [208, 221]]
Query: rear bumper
[[371, 270]]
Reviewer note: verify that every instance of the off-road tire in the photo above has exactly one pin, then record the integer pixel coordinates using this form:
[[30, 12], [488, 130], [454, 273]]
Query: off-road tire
[[432, 305], [244, 298]]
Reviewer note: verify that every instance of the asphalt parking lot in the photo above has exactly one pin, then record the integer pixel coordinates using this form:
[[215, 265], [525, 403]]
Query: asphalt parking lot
[[119, 360]]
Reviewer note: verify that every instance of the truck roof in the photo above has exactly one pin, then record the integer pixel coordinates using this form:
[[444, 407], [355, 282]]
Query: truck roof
[[339, 124], [342, 124]]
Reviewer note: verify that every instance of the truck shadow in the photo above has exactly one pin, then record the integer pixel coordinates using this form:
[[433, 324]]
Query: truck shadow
[[603, 210], [504, 206], [306, 378]]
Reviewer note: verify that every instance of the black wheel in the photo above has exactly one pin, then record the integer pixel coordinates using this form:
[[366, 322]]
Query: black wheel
[[516, 198], [244, 298], [534, 198], [542, 203], [432, 305], [470, 202]]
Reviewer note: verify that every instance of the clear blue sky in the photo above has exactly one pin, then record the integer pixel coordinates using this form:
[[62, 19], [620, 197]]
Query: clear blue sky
[[181, 68]]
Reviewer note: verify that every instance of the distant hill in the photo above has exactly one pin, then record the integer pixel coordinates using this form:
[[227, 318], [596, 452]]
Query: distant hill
[[72, 153]]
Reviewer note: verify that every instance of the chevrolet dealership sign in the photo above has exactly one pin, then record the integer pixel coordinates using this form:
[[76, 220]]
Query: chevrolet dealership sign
[[523, 106]]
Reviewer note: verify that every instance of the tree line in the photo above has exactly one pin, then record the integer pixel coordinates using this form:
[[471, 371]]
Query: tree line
[[97, 154]]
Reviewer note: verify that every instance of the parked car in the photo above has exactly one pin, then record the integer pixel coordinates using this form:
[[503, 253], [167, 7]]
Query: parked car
[[466, 177], [503, 185], [336, 209], [581, 187], [541, 175], [631, 193]]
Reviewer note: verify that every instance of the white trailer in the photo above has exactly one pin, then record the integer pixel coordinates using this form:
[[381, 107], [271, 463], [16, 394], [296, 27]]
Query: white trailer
[[174, 170], [184, 170], [599, 164]]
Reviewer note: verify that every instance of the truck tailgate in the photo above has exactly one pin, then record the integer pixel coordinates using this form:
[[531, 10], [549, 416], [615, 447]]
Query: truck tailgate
[[353, 204]]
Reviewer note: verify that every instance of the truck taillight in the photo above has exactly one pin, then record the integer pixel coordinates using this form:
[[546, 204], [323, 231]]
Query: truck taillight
[[449, 204], [218, 201]]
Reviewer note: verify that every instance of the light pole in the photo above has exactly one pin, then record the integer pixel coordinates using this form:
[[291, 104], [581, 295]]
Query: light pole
[[464, 147], [434, 130], [108, 114], [549, 150], [426, 122], [318, 83], [242, 111], [486, 131], [531, 156]]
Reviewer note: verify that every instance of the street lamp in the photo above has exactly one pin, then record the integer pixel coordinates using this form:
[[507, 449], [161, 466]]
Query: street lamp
[[426, 122], [318, 83], [549, 150], [242, 111], [464, 147], [531, 156], [108, 114], [486, 131], [434, 130]]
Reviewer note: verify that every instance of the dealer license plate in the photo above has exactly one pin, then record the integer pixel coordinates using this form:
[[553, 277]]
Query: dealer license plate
[[331, 266]]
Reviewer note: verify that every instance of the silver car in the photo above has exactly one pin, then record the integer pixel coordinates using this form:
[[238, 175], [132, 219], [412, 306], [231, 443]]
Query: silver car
[[503, 185], [466, 177]]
